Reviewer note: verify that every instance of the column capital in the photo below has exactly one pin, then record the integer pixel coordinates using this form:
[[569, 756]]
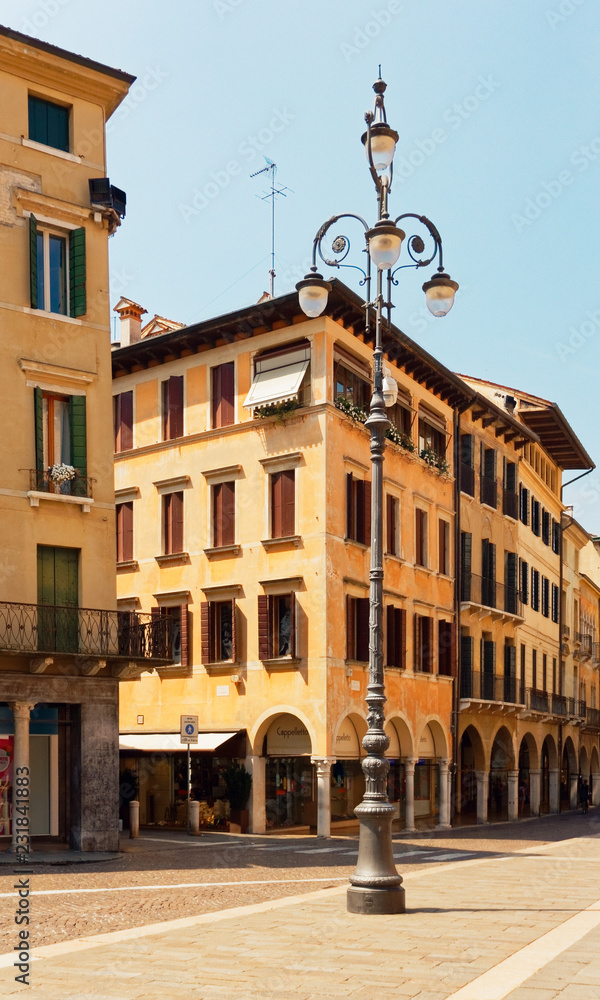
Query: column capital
[[21, 709], [534, 772], [409, 762], [444, 763], [323, 764], [513, 773], [482, 775]]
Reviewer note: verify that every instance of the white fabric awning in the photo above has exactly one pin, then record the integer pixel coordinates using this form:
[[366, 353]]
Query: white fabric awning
[[276, 385], [153, 742]]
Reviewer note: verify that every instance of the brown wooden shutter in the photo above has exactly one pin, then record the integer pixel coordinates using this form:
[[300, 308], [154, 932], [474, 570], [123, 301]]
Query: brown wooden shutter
[[165, 409], [288, 502], [391, 524], [426, 625], [156, 644], [350, 628], [205, 643], [264, 644], [390, 626], [227, 391], [177, 522], [127, 531], [349, 505], [184, 634], [292, 624], [362, 629], [167, 524], [120, 532], [233, 631], [228, 513], [416, 637], [276, 505], [419, 554], [366, 534], [217, 515], [216, 396], [442, 568], [402, 627], [123, 417], [175, 406], [445, 650]]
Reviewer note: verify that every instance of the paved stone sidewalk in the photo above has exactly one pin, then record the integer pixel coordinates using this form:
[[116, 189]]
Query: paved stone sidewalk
[[463, 919]]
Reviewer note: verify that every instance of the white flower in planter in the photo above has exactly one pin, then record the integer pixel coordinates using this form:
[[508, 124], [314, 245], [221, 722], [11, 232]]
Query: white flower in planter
[[61, 473]]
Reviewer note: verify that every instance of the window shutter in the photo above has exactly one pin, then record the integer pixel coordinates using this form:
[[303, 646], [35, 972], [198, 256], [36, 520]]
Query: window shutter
[[366, 512], [227, 391], [264, 645], [390, 624], [175, 406], [416, 637], [445, 649], [33, 263], [292, 624], [288, 502], [362, 629], [216, 396], [276, 505], [39, 428], [205, 643], [427, 633], [77, 295], [401, 638], [359, 499], [126, 531], [184, 635], [227, 513], [119, 518], [350, 628], [465, 546], [124, 421], [177, 522], [233, 631], [391, 524], [78, 434], [466, 666], [349, 504]]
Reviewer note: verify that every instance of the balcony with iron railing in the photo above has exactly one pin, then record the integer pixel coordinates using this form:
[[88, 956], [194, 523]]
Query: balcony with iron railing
[[586, 646], [46, 630], [485, 686], [592, 718], [41, 481], [486, 593], [510, 504]]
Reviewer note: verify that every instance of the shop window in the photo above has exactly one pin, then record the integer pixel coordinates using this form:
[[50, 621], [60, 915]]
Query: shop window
[[57, 269], [276, 626], [420, 537], [223, 511], [446, 649], [123, 420], [358, 509], [283, 503], [49, 123], [281, 379], [124, 513], [351, 386], [357, 628], [60, 439], [393, 525], [180, 632], [172, 505], [172, 407], [423, 644], [218, 629], [222, 395], [395, 637], [443, 547]]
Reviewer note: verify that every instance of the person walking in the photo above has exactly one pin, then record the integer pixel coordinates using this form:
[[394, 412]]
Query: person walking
[[584, 796]]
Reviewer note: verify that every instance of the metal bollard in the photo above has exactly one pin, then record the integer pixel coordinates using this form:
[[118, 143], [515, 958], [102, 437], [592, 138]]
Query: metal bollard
[[134, 819], [194, 817]]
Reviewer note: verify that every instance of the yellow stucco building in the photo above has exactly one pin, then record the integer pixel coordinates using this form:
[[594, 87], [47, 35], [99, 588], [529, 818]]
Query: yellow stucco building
[[63, 645]]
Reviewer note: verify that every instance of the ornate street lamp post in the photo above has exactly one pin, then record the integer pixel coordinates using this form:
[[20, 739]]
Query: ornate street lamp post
[[376, 886]]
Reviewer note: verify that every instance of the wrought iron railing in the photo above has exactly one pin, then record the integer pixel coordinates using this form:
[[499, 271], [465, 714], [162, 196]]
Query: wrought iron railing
[[467, 479], [592, 718], [489, 492], [485, 686], [41, 481], [41, 628], [586, 645], [560, 705], [490, 594], [539, 701], [510, 504]]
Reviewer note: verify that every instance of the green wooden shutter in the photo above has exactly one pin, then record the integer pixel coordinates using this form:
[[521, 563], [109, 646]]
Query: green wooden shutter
[[77, 297], [33, 263], [39, 428], [78, 435]]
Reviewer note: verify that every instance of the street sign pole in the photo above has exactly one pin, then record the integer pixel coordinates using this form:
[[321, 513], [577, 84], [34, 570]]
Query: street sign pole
[[189, 735], [189, 785]]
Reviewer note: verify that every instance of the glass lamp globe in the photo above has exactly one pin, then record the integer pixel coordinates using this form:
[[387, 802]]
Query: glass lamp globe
[[439, 294], [382, 141], [313, 293], [385, 243]]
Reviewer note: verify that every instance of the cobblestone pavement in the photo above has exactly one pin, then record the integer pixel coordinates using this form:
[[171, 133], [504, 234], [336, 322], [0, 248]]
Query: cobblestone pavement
[[475, 896]]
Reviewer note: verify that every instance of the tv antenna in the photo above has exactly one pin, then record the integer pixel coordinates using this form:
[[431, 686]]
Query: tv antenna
[[274, 190]]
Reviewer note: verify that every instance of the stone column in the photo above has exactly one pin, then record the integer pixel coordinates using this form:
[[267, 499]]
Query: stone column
[[134, 819], [409, 783], [21, 711], [574, 781], [94, 737], [554, 804], [513, 795], [483, 784], [534, 792], [445, 777], [257, 768], [323, 766]]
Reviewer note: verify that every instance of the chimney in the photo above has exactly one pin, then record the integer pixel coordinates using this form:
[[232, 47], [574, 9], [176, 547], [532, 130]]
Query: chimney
[[130, 313]]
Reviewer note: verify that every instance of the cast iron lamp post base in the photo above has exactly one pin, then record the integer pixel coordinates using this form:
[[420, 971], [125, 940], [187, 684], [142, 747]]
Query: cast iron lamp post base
[[381, 890]]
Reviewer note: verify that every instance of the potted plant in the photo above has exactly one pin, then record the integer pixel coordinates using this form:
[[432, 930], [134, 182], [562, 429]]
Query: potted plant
[[238, 782]]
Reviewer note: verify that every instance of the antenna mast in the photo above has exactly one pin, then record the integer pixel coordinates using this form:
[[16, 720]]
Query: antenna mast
[[274, 190]]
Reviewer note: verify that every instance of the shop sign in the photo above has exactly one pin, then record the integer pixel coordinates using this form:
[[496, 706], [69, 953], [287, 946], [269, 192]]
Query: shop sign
[[426, 746], [347, 746], [288, 737]]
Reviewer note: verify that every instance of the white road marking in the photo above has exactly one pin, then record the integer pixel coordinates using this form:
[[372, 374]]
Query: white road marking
[[509, 975], [318, 850], [449, 857], [174, 885]]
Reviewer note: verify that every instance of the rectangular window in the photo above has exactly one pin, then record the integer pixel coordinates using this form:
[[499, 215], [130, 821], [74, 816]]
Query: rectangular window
[[400, 415], [283, 503], [395, 637], [466, 540], [358, 509], [534, 669], [446, 649], [223, 509], [57, 266], [357, 628], [276, 626], [444, 547], [423, 644], [510, 503], [510, 673], [545, 597], [178, 619], [546, 527], [488, 573], [123, 420], [467, 464], [218, 630], [350, 386], [522, 677], [544, 672], [466, 665], [535, 590], [555, 536], [536, 525], [489, 490], [281, 379], [524, 504], [432, 437], [124, 532], [60, 439], [510, 582], [393, 525], [222, 395], [554, 603], [172, 523], [524, 575], [49, 123], [420, 537], [488, 669], [172, 407]]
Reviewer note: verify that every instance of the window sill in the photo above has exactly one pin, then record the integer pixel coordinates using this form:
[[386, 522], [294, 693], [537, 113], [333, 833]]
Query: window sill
[[62, 317], [361, 545], [34, 498], [396, 558], [223, 550], [52, 150], [221, 666], [128, 565], [356, 663], [286, 541], [281, 662], [173, 558]]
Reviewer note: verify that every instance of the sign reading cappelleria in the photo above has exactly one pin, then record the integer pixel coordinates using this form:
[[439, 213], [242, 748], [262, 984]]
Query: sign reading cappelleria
[[288, 737]]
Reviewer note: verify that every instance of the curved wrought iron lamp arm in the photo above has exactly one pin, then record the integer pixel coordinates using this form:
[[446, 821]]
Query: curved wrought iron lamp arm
[[416, 246], [340, 245]]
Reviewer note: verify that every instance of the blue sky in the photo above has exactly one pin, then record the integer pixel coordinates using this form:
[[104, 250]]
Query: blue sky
[[496, 103]]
